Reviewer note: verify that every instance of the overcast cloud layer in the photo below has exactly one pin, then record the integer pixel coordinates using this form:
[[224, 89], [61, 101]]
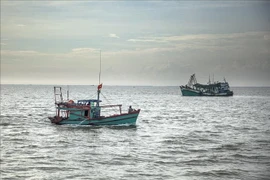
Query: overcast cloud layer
[[142, 42]]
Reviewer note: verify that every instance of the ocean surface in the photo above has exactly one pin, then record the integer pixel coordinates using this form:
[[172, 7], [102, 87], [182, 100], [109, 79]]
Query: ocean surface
[[175, 137]]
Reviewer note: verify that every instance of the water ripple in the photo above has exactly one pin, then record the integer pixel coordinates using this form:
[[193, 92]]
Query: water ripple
[[175, 138]]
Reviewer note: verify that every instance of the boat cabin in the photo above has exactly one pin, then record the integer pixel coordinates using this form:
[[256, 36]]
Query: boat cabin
[[218, 87], [83, 108], [90, 108]]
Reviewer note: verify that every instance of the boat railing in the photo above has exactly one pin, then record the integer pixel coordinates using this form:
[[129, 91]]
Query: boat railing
[[113, 105], [84, 106]]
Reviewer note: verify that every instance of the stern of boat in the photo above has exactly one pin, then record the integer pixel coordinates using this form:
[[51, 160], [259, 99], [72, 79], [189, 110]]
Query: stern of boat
[[55, 119]]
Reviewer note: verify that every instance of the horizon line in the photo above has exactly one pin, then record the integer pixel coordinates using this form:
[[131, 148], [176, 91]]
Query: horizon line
[[264, 86]]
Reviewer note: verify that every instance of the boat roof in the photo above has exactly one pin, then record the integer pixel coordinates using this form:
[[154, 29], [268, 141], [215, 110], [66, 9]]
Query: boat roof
[[88, 101]]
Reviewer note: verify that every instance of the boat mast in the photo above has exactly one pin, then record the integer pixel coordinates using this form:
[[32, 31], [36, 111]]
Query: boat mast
[[98, 91], [67, 92], [99, 67]]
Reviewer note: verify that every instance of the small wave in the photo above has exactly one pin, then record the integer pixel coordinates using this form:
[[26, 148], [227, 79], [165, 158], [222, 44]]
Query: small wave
[[116, 162], [54, 168], [232, 147], [263, 141], [5, 124], [250, 157], [197, 150], [167, 162], [123, 126], [213, 173], [169, 141], [204, 140], [200, 161], [62, 142], [38, 107], [267, 131], [146, 174], [6, 116], [40, 158], [172, 152]]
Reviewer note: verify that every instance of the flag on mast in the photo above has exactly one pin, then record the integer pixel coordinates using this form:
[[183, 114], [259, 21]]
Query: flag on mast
[[99, 86]]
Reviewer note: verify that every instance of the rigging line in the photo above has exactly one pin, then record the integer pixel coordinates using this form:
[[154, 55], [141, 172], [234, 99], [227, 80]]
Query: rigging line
[[132, 102], [90, 97], [105, 98], [114, 108], [93, 96], [81, 123]]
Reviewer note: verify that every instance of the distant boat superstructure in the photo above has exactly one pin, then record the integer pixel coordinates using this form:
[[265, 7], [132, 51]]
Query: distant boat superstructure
[[211, 89]]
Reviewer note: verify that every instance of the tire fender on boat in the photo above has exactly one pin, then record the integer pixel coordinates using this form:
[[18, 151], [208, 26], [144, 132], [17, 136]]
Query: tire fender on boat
[[70, 101]]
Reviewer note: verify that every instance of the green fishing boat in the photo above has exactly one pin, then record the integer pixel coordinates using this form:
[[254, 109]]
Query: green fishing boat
[[211, 89], [89, 111]]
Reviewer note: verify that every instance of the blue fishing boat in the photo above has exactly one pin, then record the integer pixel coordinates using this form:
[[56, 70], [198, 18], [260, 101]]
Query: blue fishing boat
[[89, 111], [211, 89]]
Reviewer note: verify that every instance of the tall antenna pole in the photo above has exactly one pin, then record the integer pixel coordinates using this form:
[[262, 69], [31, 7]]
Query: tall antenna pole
[[98, 91], [99, 68], [68, 92]]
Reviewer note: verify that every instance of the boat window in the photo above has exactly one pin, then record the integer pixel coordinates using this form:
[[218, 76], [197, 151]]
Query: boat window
[[86, 113]]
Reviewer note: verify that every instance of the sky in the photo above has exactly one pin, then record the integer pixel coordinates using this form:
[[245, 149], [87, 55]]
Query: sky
[[156, 43]]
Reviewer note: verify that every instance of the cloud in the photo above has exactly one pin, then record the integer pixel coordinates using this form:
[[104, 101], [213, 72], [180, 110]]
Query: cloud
[[147, 40], [113, 36], [20, 25], [186, 43], [20, 53], [61, 3], [209, 42], [40, 3], [84, 50], [198, 37]]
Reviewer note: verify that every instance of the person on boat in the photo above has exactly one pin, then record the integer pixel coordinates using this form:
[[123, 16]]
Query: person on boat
[[130, 109]]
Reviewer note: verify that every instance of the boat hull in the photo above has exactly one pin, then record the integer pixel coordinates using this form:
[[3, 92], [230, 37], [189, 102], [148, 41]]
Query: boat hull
[[192, 92], [121, 119]]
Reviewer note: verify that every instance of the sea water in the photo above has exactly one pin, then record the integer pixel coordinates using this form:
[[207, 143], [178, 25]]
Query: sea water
[[175, 137]]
